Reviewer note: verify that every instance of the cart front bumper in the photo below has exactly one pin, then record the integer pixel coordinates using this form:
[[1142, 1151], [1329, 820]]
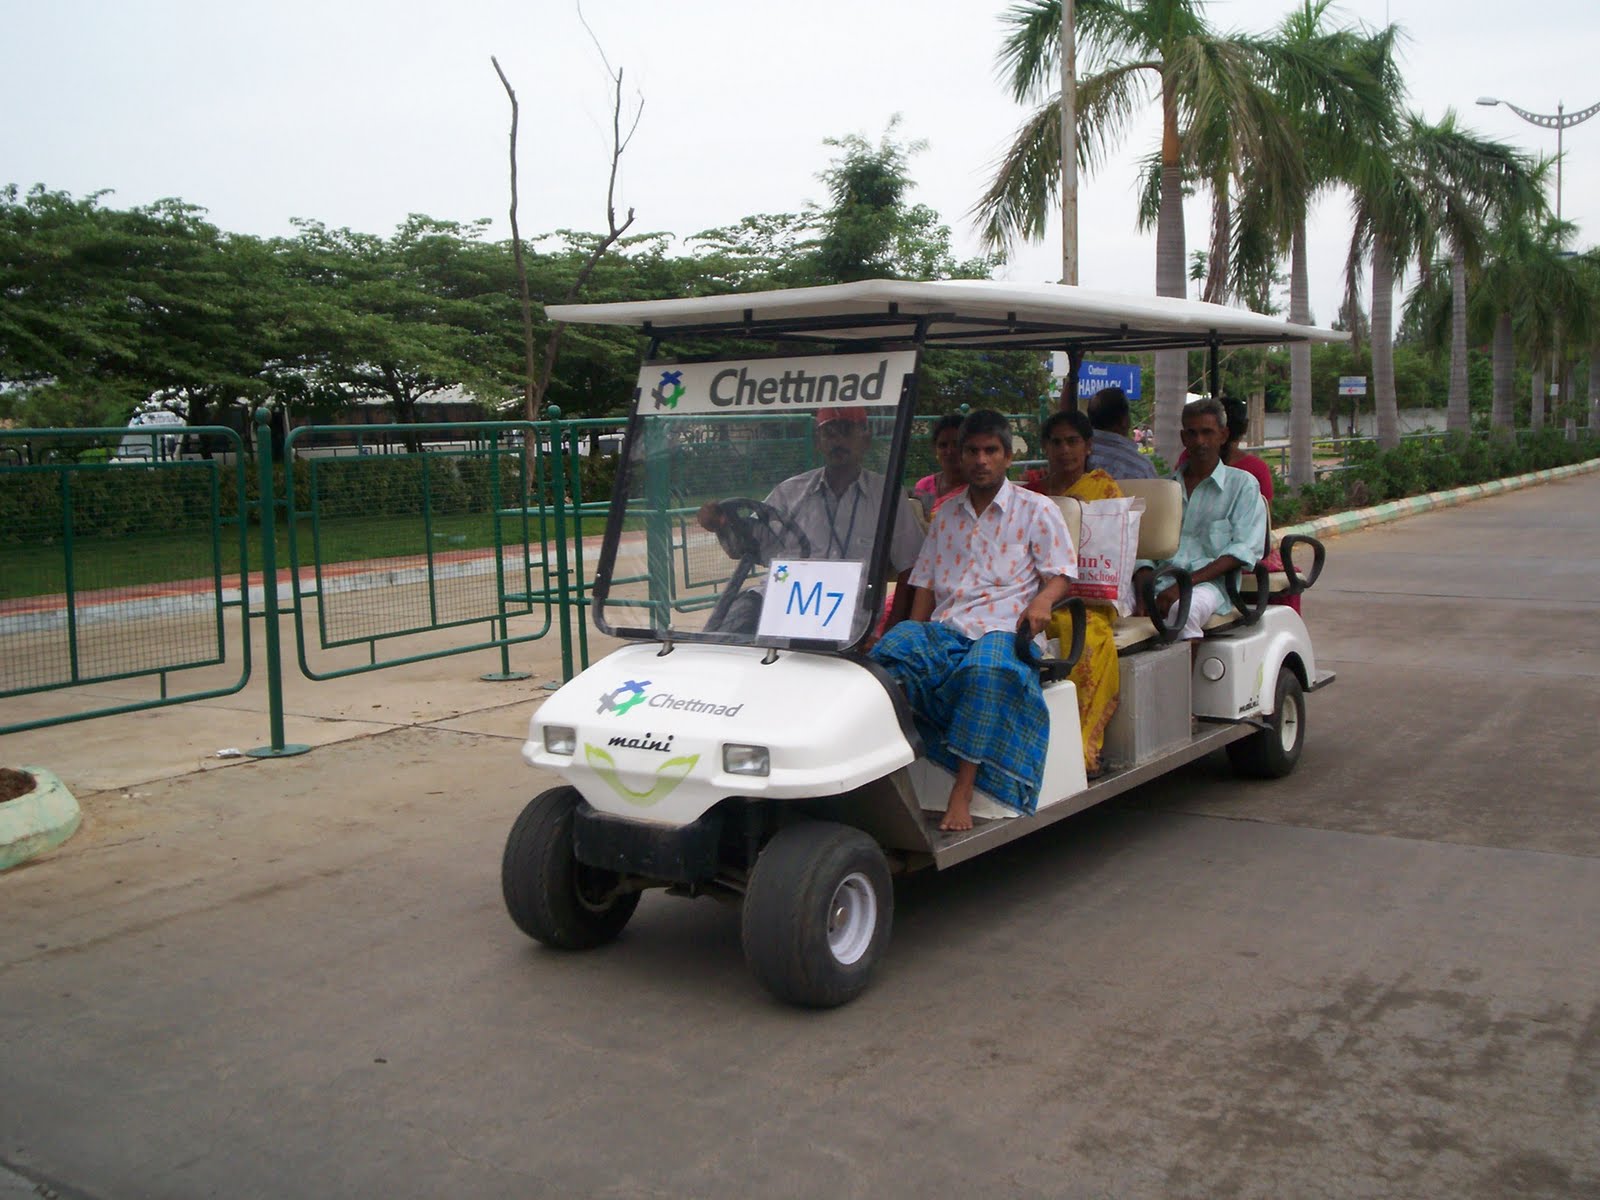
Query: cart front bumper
[[677, 854]]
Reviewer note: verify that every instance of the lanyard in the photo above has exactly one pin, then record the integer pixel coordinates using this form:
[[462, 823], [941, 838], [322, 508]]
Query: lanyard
[[833, 514]]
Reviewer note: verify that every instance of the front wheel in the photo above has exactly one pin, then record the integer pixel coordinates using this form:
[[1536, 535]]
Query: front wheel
[[552, 897], [817, 913], [1272, 753]]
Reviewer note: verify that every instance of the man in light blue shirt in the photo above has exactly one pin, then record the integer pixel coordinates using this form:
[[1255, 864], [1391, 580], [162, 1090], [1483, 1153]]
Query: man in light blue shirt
[[1224, 520], [1114, 452]]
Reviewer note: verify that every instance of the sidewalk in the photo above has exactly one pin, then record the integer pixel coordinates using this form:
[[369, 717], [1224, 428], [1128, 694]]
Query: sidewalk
[[119, 753]]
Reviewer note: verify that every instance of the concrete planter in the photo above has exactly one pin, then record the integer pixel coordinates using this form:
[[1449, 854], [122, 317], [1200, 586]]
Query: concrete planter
[[37, 821]]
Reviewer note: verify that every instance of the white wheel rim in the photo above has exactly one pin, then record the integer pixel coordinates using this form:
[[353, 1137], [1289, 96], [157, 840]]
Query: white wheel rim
[[852, 918], [1289, 724]]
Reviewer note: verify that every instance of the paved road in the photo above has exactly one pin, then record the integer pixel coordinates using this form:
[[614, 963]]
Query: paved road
[[1377, 979]]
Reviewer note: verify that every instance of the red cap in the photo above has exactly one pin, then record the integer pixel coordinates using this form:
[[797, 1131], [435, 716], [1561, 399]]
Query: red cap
[[824, 415]]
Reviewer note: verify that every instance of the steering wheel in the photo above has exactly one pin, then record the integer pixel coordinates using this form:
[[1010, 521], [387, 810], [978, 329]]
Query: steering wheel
[[740, 512], [739, 515]]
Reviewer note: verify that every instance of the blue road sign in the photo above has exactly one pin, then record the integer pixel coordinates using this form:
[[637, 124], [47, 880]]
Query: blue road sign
[[1093, 376]]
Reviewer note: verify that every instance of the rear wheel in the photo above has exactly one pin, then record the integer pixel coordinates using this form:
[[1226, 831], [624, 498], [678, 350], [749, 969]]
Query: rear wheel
[[1272, 753], [817, 914], [551, 896]]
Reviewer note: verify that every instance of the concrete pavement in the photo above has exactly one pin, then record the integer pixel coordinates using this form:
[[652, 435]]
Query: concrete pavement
[[1375, 978]]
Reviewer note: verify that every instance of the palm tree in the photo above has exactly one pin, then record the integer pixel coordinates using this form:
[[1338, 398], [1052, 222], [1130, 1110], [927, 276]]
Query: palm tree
[[1203, 81], [1588, 271], [1527, 283], [1435, 182], [1391, 228], [1464, 179], [1502, 283], [1341, 90]]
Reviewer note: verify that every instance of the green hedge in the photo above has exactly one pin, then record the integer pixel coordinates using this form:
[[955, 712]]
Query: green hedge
[[112, 502], [122, 501], [1421, 465]]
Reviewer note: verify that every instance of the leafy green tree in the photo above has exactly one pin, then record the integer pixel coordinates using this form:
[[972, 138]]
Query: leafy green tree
[[1204, 82], [101, 308], [1339, 90], [1434, 181], [766, 250], [403, 318], [1588, 331], [595, 373], [1527, 282], [1465, 179]]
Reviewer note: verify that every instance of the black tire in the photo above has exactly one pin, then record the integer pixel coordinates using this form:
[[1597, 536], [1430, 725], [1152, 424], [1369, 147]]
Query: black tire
[[1272, 753], [817, 914], [551, 896]]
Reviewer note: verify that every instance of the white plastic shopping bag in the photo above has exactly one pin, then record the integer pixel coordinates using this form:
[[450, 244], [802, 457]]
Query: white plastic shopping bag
[[1108, 546]]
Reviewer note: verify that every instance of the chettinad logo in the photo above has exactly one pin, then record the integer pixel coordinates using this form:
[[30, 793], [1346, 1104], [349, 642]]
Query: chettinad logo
[[669, 391], [620, 700]]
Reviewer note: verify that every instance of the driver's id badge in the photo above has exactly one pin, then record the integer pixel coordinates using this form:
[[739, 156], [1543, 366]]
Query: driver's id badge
[[810, 598]]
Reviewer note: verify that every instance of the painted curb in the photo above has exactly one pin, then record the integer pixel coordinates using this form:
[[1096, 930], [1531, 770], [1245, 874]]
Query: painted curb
[[1394, 510], [39, 821]]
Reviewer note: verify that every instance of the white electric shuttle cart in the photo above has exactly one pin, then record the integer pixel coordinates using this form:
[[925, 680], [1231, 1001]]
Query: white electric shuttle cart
[[743, 747]]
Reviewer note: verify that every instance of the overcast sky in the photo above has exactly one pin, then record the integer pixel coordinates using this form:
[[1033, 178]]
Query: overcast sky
[[356, 112]]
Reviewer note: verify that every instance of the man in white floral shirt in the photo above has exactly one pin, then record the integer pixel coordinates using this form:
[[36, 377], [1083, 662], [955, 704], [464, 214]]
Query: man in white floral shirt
[[993, 558]]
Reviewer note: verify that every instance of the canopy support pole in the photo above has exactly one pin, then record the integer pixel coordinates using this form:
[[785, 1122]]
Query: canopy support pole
[[1069, 385]]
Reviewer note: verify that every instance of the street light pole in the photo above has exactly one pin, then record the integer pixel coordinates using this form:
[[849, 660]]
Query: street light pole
[[1561, 121]]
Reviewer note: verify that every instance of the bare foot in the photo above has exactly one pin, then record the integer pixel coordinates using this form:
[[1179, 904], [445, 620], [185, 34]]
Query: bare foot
[[958, 813], [958, 816]]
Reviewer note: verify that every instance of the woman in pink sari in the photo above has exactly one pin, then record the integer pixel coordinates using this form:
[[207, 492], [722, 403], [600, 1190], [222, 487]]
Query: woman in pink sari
[[933, 490]]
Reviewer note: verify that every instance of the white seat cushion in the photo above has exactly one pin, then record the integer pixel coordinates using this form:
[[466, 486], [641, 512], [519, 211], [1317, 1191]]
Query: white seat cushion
[[1162, 522], [1072, 513]]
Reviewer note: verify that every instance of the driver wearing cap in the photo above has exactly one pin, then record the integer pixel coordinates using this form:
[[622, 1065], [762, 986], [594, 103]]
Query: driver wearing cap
[[835, 506]]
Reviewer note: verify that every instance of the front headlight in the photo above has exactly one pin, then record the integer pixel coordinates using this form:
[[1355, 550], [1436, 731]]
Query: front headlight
[[560, 739], [745, 760]]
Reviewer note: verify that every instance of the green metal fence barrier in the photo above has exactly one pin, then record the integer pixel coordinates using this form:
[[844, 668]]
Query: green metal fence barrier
[[387, 546], [117, 570], [377, 536]]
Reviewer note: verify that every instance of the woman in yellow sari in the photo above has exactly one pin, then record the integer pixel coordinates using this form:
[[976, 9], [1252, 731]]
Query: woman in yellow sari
[[1066, 447]]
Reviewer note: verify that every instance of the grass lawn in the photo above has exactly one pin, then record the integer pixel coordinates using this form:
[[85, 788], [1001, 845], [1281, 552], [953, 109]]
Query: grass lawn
[[168, 557]]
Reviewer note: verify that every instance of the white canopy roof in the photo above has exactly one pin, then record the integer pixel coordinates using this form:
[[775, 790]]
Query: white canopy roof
[[976, 313]]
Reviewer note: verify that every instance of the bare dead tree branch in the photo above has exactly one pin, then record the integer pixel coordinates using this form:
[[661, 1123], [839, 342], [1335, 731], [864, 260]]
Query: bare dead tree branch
[[529, 406], [589, 29], [619, 143], [538, 382]]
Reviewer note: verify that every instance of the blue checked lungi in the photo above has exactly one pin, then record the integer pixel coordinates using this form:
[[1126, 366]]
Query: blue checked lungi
[[973, 700]]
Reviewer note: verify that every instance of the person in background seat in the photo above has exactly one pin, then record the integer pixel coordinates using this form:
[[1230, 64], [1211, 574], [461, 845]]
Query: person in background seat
[[1236, 456], [933, 490], [1068, 443], [1224, 521], [1114, 450]]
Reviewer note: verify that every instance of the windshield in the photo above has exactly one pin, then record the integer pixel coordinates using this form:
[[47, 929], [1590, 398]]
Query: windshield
[[755, 501]]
